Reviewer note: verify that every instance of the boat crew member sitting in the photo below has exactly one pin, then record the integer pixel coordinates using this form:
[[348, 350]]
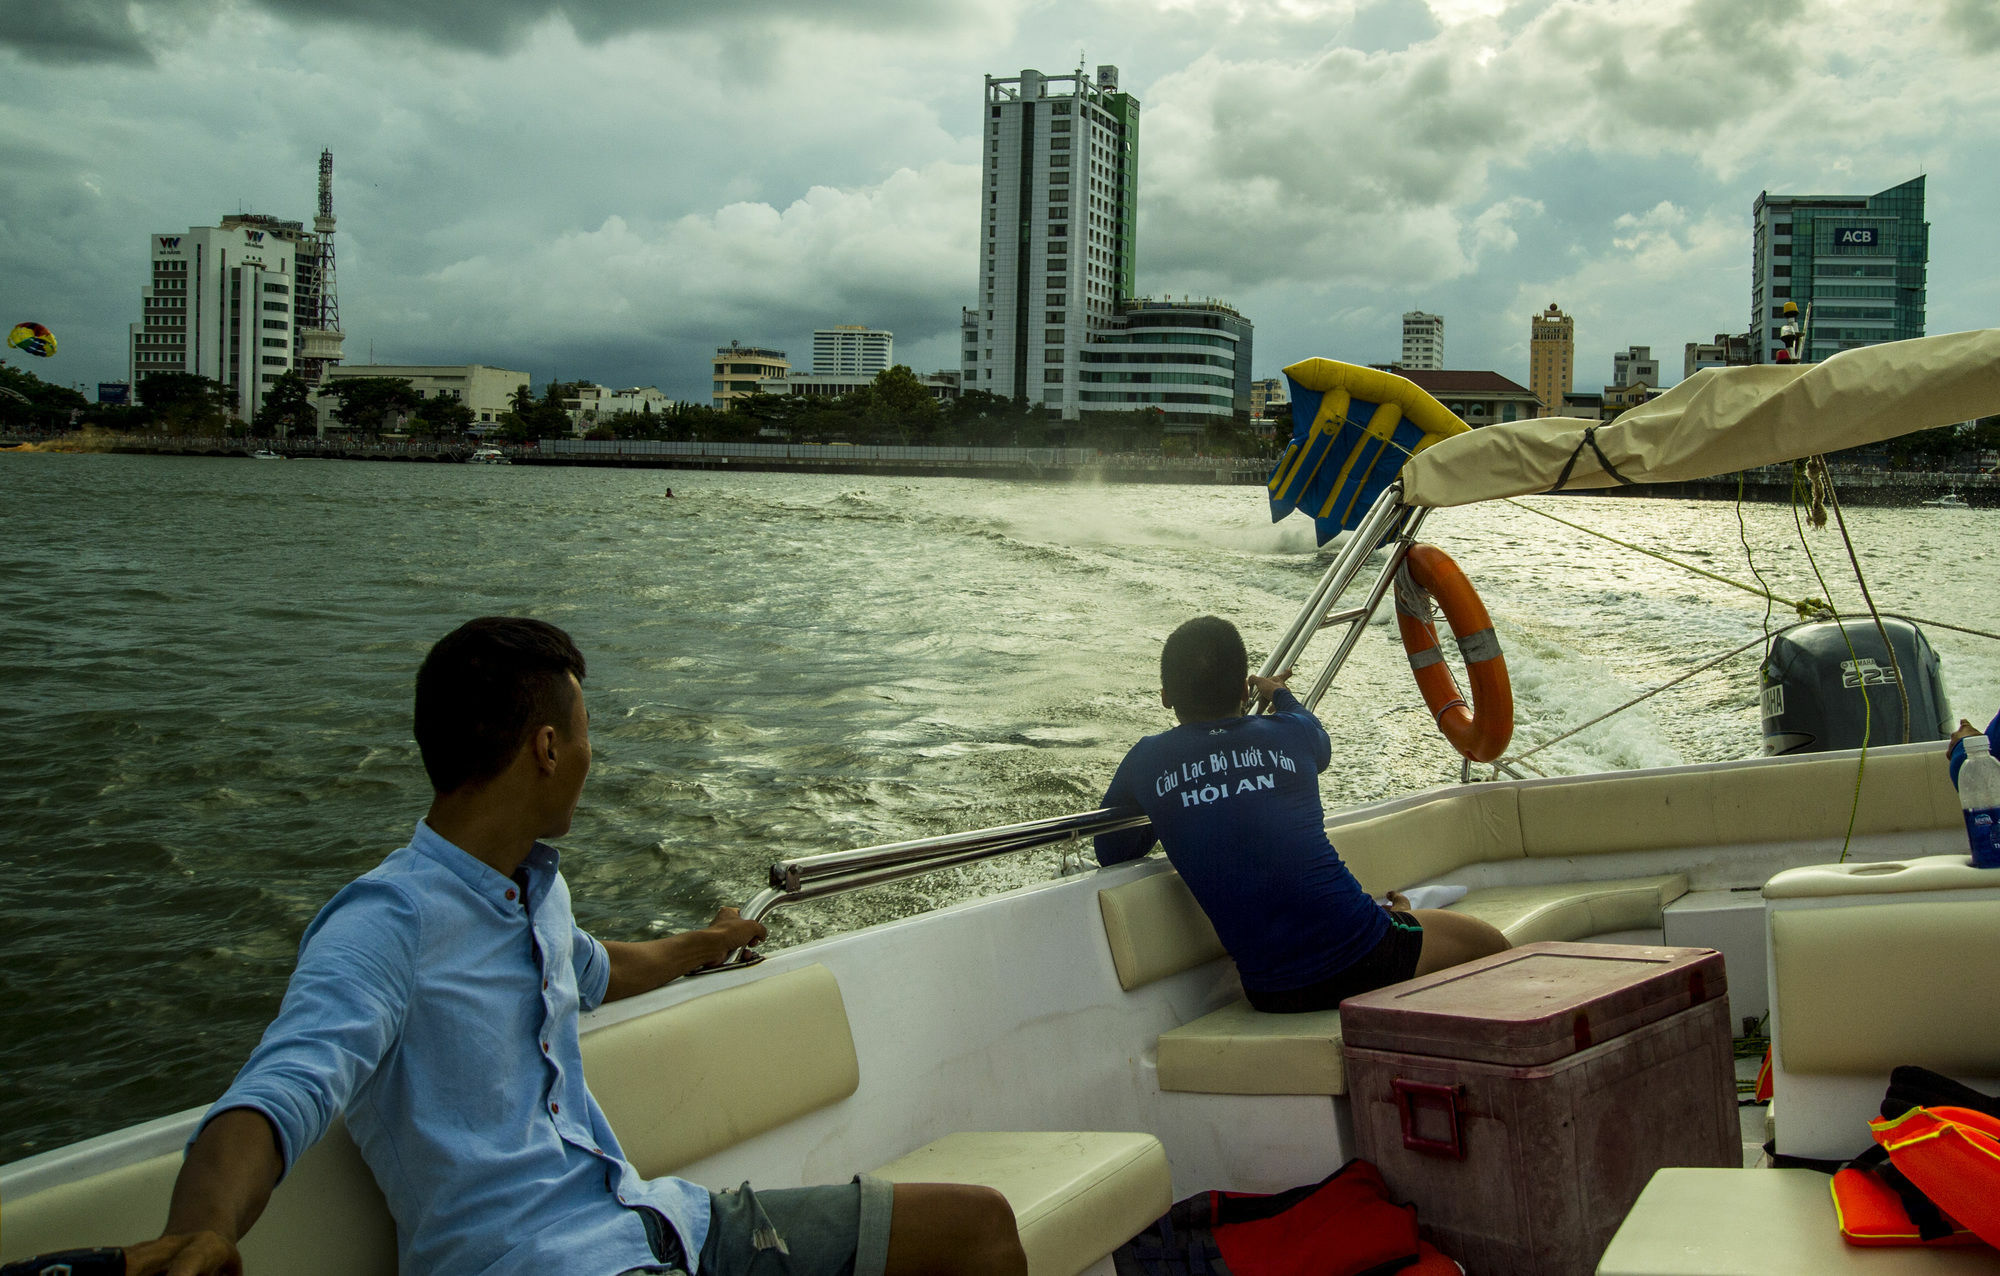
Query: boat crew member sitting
[[435, 1005], [1234, 799]]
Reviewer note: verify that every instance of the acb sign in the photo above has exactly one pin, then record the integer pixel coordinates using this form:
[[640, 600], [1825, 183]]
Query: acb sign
[[1855, 237]]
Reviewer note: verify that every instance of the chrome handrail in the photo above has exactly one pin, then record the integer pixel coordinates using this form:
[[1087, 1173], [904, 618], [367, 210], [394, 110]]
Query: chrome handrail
[[816, 876]]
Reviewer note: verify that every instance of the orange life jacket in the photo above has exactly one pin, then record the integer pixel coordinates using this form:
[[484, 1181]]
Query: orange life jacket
[[1933, 1177]]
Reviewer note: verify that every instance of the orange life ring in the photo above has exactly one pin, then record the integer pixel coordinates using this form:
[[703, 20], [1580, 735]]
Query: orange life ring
[[1482, 729]]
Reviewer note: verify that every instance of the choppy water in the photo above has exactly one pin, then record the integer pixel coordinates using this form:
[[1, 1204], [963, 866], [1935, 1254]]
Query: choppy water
[[207, 668]]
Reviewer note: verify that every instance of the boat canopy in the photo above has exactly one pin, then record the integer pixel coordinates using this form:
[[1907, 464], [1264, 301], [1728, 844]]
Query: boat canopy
[[1721, 420]]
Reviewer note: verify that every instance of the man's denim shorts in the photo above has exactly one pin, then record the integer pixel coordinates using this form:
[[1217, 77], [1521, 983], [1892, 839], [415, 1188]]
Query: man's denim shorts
[[837, 1230]]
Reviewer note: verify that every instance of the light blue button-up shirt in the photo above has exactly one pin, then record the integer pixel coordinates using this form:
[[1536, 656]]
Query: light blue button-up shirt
[[438, 1010]]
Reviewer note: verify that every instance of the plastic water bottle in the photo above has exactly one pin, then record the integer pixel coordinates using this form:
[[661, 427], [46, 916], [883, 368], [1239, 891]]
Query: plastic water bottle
[[1979, 798]]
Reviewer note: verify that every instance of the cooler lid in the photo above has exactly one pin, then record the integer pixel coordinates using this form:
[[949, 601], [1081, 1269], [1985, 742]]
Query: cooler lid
[[1533, 1004]]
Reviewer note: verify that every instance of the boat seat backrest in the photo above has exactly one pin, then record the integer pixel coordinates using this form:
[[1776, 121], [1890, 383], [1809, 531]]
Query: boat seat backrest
[[1797, 800], [1155, 929], [1874, 965], [326, 1219], [684, 1083], [1475, 825], [677, 1085]]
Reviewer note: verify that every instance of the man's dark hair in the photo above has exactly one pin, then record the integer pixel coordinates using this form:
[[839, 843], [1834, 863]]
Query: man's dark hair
[[1202, 668], [484, 689]]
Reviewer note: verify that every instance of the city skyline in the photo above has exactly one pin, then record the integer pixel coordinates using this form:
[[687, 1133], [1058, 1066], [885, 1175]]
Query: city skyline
[[519, 203]]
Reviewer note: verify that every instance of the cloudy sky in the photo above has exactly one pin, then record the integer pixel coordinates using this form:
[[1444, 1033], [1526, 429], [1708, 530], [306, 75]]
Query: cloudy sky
[[608, 189]]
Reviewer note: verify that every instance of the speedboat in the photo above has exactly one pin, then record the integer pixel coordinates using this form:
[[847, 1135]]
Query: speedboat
[[1949, 501], [486, 454], [1082, 1042], [266, 454]]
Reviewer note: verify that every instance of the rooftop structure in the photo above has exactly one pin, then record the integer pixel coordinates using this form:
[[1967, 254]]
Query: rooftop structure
[[1423, 341]]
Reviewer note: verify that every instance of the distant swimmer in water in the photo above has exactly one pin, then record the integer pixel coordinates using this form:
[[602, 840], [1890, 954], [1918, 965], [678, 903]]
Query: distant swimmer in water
[[670, 494]]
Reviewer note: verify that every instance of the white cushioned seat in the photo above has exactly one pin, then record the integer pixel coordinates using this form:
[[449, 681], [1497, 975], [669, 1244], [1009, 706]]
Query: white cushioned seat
[[1238, 1050], [1155, 929], [1715, 1222], [1573, 911], [1076, 1196]]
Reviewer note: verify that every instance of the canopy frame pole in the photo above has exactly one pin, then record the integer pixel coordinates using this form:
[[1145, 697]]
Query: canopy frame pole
[[1375, 526], [1404, 538]]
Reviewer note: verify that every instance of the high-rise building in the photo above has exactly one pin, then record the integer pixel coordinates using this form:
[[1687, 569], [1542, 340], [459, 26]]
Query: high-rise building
[[1635, 365], [852, 350], [1855, 264], [1423, 341], [1058, 230], [220, 305], [1551, 358], [739, 368]]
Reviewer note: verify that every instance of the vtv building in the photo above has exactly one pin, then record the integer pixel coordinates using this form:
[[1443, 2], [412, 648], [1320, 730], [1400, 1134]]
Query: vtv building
[[1058, 224], [1857, 260], [220, 304]]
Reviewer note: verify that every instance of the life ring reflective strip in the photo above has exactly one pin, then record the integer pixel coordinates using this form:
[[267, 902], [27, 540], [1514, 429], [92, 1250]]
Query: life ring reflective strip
[[1481, 729]]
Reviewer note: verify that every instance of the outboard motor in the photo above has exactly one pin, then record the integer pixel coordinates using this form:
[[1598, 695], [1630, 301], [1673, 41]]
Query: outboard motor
[[1814, 688]]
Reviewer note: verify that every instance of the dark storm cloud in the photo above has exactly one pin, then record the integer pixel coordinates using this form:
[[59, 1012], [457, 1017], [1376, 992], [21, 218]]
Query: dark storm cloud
[[1977, 21], [122, 31]]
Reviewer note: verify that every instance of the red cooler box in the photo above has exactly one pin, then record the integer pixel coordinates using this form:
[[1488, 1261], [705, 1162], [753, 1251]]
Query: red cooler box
[[1521, 1101]]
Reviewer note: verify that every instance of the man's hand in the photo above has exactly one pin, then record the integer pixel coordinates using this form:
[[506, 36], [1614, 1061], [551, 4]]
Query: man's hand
[[733, 933], [186, 1254], [1964, 729], [642, 967], [1263, 690], [1399, 901]]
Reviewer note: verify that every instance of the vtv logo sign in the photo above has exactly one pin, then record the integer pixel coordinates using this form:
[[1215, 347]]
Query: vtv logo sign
[[1854, 237], [170, 241], [257, 236]]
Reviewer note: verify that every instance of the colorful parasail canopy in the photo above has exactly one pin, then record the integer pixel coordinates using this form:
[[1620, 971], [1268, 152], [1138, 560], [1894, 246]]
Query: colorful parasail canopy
[[33, 338], [1352, 429]]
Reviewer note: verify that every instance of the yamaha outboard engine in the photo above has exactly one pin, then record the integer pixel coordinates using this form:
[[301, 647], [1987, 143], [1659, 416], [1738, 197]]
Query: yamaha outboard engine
[[1814, 687]]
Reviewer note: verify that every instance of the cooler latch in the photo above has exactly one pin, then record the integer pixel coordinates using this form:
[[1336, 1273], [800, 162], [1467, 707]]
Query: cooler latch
[[1430, 1117]]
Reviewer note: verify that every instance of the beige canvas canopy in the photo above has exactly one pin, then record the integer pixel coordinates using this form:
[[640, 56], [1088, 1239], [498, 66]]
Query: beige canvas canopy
[[1721, 420]]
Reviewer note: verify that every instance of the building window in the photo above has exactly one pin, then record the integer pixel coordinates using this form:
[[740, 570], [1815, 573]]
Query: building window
[[1053, 299], [1782, 250], [1782, 228], [1052, 356], [279, 324], [1052, 316], [273, 361], [279, 306], [1057, 281], [1052, 335], [278, 343], [1052, 376], [1059, 143]]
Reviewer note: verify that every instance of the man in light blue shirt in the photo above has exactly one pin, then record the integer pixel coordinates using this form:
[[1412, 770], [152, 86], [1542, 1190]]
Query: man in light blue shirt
[[435, 1005]]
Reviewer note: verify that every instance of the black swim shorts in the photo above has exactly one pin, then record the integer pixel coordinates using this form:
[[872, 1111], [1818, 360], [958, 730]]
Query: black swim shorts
[[1391, 961]]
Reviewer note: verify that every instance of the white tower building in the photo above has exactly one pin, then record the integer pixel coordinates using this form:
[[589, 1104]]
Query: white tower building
[[852, 350], [1057, 231], [219, 305], [1423, 341]]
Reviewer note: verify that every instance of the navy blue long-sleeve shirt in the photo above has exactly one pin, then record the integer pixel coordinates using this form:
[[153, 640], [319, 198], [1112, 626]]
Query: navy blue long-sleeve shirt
[[1235, 802]]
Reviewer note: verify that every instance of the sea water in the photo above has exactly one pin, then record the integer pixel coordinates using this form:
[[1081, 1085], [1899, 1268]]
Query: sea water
[[207, 670]]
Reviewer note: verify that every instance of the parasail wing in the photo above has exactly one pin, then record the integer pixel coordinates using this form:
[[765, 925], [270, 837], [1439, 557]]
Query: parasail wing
[[1352, 430]]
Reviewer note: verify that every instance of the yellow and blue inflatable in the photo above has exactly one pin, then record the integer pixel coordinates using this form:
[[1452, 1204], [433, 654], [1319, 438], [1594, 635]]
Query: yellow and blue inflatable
[[1352, 429]]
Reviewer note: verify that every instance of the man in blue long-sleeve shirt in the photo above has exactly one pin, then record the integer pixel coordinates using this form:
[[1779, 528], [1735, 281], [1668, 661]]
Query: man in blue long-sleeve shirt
[[1234, 799], [435, 1004]]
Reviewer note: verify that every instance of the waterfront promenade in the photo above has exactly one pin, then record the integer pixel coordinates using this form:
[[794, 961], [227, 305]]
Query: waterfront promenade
[[1858, 485]]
